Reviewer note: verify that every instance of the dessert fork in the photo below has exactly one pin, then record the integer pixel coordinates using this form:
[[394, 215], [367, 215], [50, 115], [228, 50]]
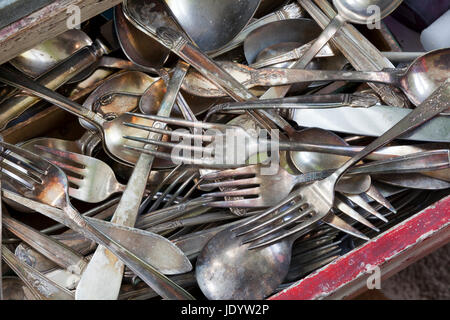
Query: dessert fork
[[317, 198], [40, 180], [83, 173]]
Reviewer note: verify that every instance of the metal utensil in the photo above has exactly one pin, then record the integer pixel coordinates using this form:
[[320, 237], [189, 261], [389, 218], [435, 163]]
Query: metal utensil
[[40, 286], [359, 51], [359, 121], [287, 12], [54, 78], [103, 275], [46, 55], [33, 176], [421, 78], [83, 173], [111, 130], [211, 24], [243, 274], [136, 45], [319, 196], [271, 189], [351, 11], [86, 144]]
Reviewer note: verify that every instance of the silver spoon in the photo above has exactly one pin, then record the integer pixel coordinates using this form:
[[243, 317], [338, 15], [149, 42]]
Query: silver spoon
[[421, 78]]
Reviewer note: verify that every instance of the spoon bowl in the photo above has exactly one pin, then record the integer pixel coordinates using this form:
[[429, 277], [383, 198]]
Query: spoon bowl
[[137, 46], [300, 31], [212, 24], [425, 74], [227, 270]]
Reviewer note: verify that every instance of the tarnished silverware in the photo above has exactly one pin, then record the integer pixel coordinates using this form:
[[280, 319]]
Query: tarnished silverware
[[427, 71], [359, 51], [318, 197], [39, 285], [289, 11], [103, 275], [271, 189], [53, 79], [92, 180], [31, 175]]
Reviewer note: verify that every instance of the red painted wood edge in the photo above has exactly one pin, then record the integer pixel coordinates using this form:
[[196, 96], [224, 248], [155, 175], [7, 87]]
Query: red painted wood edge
[[377, 252]]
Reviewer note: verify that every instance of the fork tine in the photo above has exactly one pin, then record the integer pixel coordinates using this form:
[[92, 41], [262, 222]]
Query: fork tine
[[203, 137], [263, 214], [68, 168], [74, 180], [146, 202], [231, 172], [345, 208], [279, 227], [28, 155], [232, 183], [72, 156], [340, 224], [181, 189], [180, 122], [16, 173], [233, 193], [276, 217], [357, 199], [376, 195], [167, 191], [171, 144], [15, 181], [301, 227], [204, 162]]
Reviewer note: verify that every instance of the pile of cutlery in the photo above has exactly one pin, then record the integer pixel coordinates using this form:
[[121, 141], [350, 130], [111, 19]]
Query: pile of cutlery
[[233, 158]]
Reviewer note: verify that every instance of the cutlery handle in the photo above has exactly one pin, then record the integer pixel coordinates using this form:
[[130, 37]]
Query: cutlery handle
[[21, 81], [40, 286], [165, 287], [292, 55], [416, 162], [56, 251], [275, 76], [359, 51], [104, 268], [411, 163]]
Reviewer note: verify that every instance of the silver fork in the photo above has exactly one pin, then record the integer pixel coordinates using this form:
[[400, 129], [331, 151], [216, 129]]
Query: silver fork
[[214, 132], [92, 180], [317, 199], [40, 180], [268, 190]]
